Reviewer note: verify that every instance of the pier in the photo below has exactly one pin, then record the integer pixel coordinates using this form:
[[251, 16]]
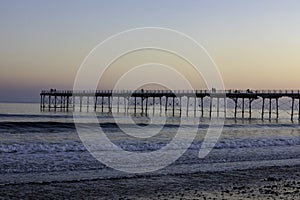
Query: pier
[[146, 101]]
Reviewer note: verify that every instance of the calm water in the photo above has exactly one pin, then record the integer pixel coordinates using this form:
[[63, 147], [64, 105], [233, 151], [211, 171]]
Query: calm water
[[37, 147]]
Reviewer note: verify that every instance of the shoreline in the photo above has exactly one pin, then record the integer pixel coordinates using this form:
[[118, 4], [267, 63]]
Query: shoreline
[[262, 183]]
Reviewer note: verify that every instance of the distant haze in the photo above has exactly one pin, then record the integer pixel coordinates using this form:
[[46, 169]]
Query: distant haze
[[254, 43]]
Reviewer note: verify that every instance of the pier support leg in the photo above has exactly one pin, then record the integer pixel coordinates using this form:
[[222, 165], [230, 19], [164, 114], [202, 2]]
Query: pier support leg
[[263, 109], [134, 105], [210, 106], [293, 103], [299, 109], [55, 102], [65, 103], [173, 111], [62, 101], [102, 103], [73, 99], [59, 102], [95, 106], [80, 104], [270, 108], [180, 106], [277, 107], [195, 106], [49, 102], [118, 104], [218, 106], [146, 105], [142, 103], [68, 99], [235, 107], [160, 105], [112, 104], [250, 108], [128, 104], [187, 106], [243, 108], [225, 107], [41, 103], [44, 102], [166, 108], [153, 102], [88, 104], [109, 109], [202, 107], [124, 104]]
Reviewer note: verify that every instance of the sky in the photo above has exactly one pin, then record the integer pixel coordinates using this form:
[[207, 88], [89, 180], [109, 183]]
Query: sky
[[254, 43]]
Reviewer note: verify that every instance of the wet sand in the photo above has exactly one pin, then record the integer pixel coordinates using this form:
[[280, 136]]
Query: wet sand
[[261, 183]]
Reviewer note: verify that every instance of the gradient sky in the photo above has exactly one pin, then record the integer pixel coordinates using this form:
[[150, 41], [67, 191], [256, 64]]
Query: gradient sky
[[255, 43]]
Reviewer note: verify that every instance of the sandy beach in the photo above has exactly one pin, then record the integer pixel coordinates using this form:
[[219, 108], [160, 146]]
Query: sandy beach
[[261, 183]]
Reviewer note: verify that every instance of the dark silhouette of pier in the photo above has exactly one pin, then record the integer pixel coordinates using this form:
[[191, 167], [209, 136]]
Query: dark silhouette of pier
[[138, 101]]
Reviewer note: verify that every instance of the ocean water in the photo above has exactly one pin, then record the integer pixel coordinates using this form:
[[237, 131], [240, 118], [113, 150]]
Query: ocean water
[[44, 146]]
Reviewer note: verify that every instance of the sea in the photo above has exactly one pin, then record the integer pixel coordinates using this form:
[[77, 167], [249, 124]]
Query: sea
[[41, 146]]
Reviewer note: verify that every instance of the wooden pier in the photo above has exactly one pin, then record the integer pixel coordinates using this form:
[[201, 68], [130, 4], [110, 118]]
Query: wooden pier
[[171, 101]]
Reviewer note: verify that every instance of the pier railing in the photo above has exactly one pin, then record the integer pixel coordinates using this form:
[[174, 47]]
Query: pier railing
[[172, 91]]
